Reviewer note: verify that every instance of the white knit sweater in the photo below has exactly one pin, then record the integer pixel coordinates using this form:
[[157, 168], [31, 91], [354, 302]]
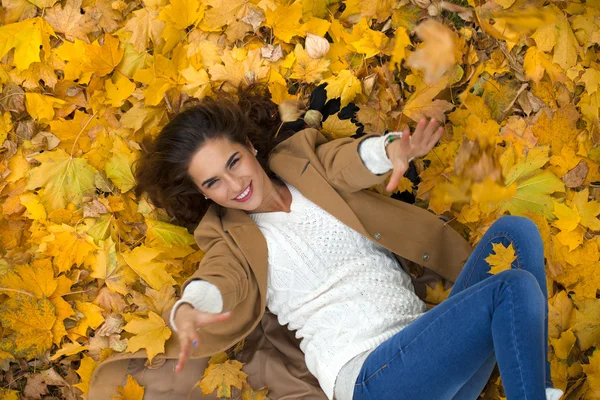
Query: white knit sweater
[[343, 294]]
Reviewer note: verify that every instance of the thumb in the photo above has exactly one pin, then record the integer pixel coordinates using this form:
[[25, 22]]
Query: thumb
[[209, 318]]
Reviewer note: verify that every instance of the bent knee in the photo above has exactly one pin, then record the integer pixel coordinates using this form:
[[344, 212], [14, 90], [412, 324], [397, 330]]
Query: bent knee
[[521, 225], [525, 286]]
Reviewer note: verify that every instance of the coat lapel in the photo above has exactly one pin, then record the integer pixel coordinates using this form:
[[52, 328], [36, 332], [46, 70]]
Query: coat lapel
[[300, 173]]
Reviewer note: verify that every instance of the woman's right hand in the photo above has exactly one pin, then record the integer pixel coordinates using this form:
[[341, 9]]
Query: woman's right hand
[[188, 320]]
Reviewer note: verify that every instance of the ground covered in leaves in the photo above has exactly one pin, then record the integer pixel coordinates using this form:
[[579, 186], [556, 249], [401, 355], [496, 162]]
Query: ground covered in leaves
[[86, 270]]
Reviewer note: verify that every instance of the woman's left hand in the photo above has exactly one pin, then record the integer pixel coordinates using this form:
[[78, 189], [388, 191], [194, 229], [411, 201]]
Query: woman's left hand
[[426, 135]]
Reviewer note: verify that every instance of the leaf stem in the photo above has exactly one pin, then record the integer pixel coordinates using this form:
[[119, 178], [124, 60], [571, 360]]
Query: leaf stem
[[81, 131], [3, 289]]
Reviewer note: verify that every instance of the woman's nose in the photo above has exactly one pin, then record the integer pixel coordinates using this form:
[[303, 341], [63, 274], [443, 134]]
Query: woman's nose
[[236, 184]]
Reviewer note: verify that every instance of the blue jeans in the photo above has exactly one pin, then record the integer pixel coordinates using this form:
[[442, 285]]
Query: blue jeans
[[449, 352]]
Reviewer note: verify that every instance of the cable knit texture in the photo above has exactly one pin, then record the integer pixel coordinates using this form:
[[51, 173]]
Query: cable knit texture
[[342, 293]]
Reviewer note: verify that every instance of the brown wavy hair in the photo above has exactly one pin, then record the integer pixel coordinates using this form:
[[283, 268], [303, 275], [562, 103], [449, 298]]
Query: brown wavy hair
[[162, 169]]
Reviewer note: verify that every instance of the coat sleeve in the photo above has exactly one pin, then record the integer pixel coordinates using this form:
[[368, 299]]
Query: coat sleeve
[[220, 267], [338, 160]]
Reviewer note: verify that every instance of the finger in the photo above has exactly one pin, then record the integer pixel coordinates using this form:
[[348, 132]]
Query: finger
[[436, 138], [431, 129], [399, 171], [406, 141], [184, 354], [419, 133], [209, 318]]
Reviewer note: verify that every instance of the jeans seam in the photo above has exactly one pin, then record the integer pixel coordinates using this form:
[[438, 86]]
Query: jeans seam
[[400, 351], [514, 335]]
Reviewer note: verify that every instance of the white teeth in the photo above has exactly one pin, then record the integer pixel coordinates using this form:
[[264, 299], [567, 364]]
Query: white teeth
[[244, 193]]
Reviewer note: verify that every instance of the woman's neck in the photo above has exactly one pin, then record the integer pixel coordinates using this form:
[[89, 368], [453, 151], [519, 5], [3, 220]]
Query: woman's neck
[[280, 198]]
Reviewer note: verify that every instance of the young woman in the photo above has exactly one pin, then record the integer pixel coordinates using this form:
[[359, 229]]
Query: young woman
[[287, 224]]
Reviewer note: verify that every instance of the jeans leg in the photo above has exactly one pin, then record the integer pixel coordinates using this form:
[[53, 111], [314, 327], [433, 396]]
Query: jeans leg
[[434, 356], [525, 238]]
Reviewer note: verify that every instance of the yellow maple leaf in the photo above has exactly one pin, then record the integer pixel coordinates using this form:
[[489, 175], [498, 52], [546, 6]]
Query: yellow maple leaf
[[31, 320], [502, 258], [158, 301], [223, 12], [588, 210], [560, 314], [154, 273], [118, 276], [371, 43], [119, 91], [118, 166], [334, 127], [562, 346], [68, 247], [40, 106], [69, 349], [150, 334], [36, 279], [567, 218], [102, 59], [344, 85], [285, 21], [587, 325], [70, 21], [534, 186], [130, 391], [144, 27], [437, 53], [437, 294], [85, 372], [592, 371], [240, 66], [249, 394], [421, 104], [92, 318], [165, 234], [64, 179], [401, 42], [306, 68], [26, 37], [182, 13], [221, 377]]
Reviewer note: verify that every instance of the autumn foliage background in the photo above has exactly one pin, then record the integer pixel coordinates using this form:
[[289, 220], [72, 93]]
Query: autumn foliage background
[[86, 269]]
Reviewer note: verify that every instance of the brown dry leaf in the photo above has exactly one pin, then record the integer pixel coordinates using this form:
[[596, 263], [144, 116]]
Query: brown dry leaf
[[70, 21]]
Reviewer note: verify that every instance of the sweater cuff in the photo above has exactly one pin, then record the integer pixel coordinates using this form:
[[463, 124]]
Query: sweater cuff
[[372, 153], [202, 295]]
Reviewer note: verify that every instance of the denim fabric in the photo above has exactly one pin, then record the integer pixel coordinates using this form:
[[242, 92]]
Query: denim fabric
[[449, 352]]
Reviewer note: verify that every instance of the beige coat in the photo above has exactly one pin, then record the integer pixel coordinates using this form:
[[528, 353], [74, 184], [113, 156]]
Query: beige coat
[[333, 176]]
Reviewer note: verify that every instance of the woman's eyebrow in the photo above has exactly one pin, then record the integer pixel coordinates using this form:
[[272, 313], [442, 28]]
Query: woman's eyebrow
[[227, 164]]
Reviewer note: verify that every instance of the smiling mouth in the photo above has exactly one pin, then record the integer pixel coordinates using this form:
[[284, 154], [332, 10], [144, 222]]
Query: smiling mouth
[[245, 195]]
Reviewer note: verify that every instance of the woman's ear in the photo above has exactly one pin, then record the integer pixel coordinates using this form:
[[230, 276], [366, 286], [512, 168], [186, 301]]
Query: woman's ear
[[250, 146]]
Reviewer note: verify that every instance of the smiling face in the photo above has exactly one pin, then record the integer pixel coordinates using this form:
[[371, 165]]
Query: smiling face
[[230, 175]]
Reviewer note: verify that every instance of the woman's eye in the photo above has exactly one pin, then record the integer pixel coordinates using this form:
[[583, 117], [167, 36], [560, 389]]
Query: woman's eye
[[211, 183], [234, 162]]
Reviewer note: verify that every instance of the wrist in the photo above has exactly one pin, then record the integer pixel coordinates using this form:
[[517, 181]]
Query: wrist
[[389, 138]]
